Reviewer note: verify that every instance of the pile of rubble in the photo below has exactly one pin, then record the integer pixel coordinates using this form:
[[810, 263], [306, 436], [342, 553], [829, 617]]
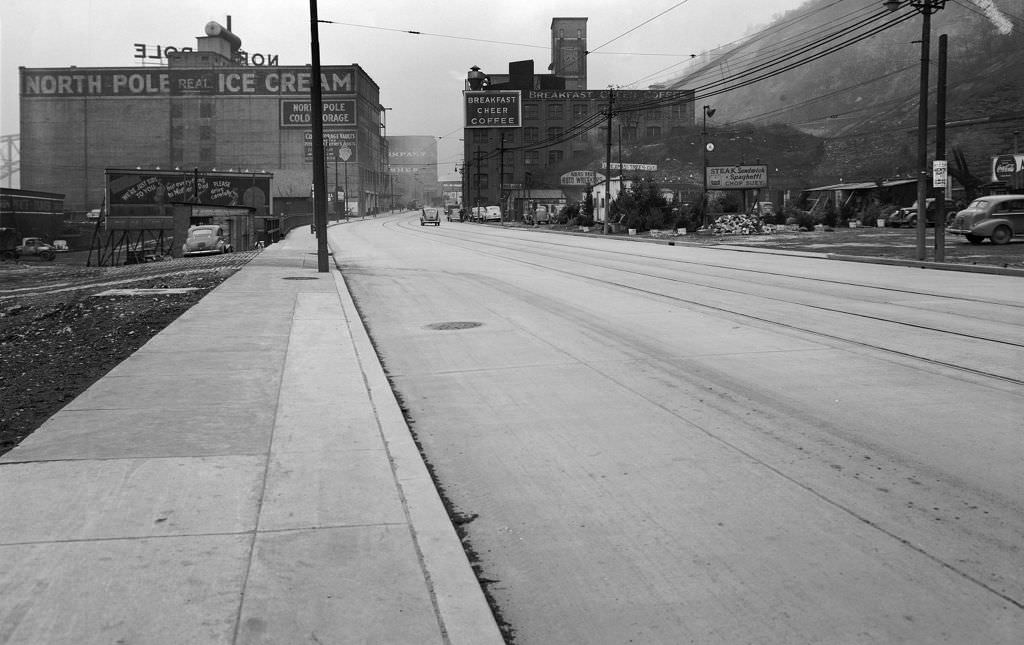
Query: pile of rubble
[[737, 224]]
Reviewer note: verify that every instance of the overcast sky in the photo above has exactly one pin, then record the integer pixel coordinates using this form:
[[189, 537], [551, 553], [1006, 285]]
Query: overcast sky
[[420, 76]]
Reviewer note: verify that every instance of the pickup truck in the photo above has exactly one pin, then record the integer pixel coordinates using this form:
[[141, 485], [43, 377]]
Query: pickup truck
[[35, 246]]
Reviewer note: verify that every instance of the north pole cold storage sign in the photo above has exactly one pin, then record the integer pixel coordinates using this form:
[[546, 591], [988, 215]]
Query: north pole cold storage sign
[[299, 114], [497, 109]]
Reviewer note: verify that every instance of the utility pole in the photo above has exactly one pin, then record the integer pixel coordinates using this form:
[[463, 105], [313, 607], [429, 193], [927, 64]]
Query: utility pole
[[608, 163], [501, 177], [476, 175], [319, 172], [940, 153]]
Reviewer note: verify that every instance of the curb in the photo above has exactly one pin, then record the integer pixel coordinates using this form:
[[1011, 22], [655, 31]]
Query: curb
[[462, 609]]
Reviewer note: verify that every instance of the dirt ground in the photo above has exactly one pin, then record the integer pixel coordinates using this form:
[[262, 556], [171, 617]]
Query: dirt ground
[[59, 333]]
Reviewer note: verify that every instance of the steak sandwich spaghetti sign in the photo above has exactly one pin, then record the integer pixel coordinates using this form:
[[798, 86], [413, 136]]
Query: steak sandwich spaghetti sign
[[737, 177]]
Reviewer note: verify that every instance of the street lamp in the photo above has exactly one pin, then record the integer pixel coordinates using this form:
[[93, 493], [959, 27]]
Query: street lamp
[[705, 148], [926, 8]]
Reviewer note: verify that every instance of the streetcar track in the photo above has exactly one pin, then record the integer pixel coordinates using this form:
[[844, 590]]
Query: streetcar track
[[867, 345], [755, 271]]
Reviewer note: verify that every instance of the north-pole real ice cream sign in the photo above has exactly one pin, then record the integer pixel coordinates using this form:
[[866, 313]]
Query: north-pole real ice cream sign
[[1009, 169]]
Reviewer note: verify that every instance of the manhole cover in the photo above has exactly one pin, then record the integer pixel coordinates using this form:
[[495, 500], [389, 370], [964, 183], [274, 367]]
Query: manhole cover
[[454, 325], [300, 277]]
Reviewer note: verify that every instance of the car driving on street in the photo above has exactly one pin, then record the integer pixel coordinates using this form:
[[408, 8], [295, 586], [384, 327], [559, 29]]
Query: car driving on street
[[430, 216]]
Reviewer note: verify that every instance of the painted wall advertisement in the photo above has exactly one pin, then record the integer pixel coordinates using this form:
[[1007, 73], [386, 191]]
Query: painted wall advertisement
[[299, 114], [232, 81], [334, 142], [737, 177]]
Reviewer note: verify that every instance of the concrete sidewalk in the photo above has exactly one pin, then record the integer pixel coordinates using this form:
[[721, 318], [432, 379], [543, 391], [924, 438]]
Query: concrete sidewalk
[[245, 477]]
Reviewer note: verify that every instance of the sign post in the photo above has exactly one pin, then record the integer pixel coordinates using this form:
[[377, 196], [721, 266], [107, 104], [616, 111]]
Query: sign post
[[344, 153]]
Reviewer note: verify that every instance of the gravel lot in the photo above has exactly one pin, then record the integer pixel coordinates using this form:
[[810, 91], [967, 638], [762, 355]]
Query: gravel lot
[[58, 334]]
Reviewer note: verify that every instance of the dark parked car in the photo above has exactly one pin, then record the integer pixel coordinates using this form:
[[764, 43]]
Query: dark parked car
[[908, 216], [206, 239], [997, 217]]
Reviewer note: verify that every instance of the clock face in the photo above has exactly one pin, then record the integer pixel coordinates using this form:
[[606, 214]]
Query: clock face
[[710, 147]]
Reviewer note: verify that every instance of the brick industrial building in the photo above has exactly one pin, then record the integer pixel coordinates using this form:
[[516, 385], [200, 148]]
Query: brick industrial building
[[205, 110], [525, 132]]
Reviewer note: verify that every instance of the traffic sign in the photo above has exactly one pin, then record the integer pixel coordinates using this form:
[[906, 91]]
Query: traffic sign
[[939, 173]]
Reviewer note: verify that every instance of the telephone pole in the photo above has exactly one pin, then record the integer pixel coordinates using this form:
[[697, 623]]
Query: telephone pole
[[319, 170], [608, 164], [501, 177]]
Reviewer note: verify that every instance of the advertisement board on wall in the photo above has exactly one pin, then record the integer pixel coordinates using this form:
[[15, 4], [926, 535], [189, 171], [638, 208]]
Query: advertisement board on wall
[[493, 109], [1009, 169], [299, 114], [737, 177], [155, 187], [334, 141], [581, 178]]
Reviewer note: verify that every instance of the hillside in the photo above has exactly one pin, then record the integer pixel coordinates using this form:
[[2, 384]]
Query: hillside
[[857, 107]]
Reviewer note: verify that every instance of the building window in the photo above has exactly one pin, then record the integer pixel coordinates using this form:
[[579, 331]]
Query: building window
[[176, 110], [677, 112], [554, 132], [480, 136], [580, 110], [206, 110], [531, 158], [205, 133], [531, 112], [483, 181], [654, 115], [556, 110], [653, 131], [555, 157], [531, 134], [206, 156]]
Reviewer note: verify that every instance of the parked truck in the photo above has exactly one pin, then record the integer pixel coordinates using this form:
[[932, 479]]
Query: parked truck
[[35, 246]]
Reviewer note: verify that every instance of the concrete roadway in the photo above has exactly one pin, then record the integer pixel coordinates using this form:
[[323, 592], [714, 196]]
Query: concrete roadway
[[670, 444]]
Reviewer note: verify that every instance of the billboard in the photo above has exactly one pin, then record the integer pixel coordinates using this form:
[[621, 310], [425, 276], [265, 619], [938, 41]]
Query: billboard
[[156, 187], [494, 109], [737, 177], [581, 178], [1009, 169]]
